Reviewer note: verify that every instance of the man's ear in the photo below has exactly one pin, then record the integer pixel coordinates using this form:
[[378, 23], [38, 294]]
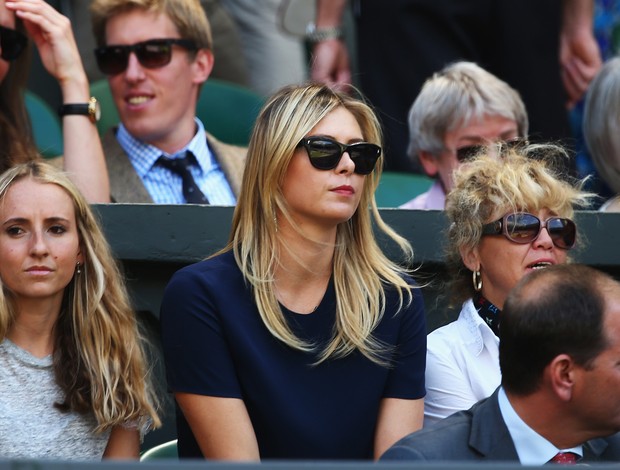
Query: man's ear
[[562, 373], [202, 65], [428, 162]]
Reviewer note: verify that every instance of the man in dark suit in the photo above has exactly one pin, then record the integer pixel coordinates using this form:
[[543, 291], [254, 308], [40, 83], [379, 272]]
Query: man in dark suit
[[559, 355], [156, 56]]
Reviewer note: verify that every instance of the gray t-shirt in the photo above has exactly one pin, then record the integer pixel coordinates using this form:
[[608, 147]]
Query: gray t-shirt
[[30, 425]]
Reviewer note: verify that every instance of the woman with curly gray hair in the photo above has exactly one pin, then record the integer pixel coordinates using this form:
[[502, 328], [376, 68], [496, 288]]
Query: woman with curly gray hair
[[508, 217]]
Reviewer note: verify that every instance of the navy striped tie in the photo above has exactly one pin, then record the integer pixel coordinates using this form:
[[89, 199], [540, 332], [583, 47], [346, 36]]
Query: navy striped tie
[[180, 166]]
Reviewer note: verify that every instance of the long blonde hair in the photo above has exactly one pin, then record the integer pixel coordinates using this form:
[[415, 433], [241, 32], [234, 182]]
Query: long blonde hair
[[361, 271], [99, 363]]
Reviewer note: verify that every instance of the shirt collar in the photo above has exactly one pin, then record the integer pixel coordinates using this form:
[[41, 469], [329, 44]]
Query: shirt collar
[[144, 156], [532, 448], [478, 332]]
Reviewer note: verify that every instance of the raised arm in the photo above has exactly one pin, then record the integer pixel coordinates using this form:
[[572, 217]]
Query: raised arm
[[83, 154], [580, 57], [330, 58]]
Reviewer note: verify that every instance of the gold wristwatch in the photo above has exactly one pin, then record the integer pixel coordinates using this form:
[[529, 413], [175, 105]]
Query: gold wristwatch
[[90, 109]]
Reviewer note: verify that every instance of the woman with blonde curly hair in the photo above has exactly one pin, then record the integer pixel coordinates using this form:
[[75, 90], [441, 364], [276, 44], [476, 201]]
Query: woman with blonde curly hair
[[508, 217], [73, 378], [301, 339]]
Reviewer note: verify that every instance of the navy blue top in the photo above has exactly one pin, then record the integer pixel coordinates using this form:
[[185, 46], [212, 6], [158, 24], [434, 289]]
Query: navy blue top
[[216, 344]]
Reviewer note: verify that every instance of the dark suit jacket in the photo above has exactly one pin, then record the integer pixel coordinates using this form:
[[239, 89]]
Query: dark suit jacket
[[126, 185], [480, 434]]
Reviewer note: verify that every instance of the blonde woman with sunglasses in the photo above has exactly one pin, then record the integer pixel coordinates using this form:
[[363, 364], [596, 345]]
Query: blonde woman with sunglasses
[[301, 339], [508, 217]]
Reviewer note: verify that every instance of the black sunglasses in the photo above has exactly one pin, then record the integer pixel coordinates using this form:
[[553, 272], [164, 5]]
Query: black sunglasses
[[325, 153], [151, 54], [12, 42], [522, 227], [470, 151]]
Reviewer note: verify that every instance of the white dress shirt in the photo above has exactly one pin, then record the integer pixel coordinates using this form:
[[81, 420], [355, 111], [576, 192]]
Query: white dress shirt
[[532, 448], [462, 365]]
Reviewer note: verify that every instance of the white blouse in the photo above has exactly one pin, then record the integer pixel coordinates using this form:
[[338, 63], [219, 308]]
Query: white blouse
[[462, 365]]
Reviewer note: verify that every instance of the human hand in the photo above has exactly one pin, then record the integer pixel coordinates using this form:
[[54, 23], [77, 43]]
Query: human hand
[[51, 32], [330, 64], [580, 61]]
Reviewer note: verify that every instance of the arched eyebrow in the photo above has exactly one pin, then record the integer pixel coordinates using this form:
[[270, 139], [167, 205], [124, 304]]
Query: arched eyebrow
[[24, 220], [354, 140]]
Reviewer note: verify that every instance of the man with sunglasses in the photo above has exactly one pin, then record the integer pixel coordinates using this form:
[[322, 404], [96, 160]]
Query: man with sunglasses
[[558, 400], [458, 110], [157, 55]]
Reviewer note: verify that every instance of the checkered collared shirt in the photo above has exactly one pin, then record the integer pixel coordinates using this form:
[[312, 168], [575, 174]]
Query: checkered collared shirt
[[164, 186]]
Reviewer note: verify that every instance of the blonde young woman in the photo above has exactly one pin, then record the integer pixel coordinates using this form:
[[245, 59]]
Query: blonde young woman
[[300, 339], [72, 371]]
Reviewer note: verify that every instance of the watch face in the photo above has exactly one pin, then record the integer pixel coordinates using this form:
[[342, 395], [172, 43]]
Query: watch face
[[94, 109], [97, 110]]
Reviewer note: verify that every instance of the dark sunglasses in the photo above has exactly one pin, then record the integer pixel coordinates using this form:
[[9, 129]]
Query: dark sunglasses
[[325, 153], [151, 54], [522, 227], [470, 151], [12, 42]]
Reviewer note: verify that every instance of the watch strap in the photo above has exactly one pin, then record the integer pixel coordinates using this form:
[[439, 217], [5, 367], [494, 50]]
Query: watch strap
[[315, 35], [73, 108], [90, 109]]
